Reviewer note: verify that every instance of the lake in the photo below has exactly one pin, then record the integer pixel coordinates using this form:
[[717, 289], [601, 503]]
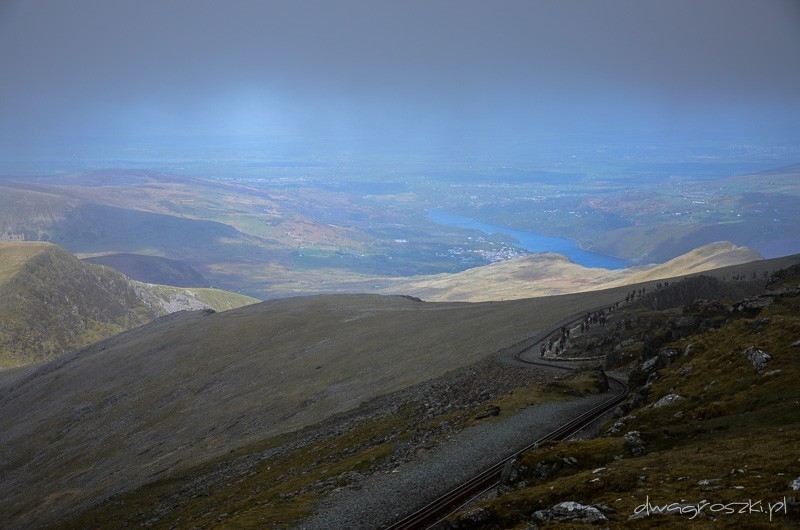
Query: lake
[[532, 241]]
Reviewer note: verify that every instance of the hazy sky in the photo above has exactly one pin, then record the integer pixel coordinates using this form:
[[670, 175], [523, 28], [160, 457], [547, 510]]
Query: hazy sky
[[405, 67]]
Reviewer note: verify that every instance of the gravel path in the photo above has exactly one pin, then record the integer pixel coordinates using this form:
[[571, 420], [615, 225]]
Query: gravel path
[[382, 499]]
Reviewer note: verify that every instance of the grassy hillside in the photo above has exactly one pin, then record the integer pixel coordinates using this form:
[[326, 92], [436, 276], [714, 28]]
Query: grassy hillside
[[191, 387], [727, 440], [171, 299], [52, 303], [187, 389], [552, 274], [153, 269], [15, 255]]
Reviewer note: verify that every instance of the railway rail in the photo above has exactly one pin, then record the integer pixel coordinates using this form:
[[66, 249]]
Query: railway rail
[[456, 498]]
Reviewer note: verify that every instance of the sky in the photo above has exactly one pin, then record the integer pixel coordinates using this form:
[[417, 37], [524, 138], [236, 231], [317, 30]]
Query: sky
[[427, 69]]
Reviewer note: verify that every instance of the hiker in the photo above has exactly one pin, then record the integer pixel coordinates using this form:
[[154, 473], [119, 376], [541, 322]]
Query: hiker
[[541, 350]]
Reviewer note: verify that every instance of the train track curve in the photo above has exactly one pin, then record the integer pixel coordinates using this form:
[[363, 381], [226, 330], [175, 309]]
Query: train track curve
[[456, 498]]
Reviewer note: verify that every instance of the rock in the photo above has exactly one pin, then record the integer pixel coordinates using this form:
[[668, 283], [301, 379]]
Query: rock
[[762, 322], [570, 511], [773, 372], [666, 400], [667, 355], [688, 349], [618, 425], [543, 471], [570, 461], [757, 358], [795, 484], [796, 343], [635, 443], [651, 365], [683, 326], [754, 304], [638, 398], [510, 473], [686, 369], [685, 322]]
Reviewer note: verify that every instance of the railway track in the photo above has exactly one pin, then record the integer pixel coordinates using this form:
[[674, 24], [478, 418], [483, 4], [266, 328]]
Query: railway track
[[453, 500]]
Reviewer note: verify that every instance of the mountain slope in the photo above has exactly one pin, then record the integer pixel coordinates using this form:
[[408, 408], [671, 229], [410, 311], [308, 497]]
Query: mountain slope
[[553, 274], [192, 386], [704, 439], [51, 302], [182, 391], [152, 269]]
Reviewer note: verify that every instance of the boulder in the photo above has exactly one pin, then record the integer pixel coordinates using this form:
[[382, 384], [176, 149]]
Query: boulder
[[667, 355], [510, 473], [634, 441], [651, 365], [666, 400], [570, 511], [757, 358], [618, 425]]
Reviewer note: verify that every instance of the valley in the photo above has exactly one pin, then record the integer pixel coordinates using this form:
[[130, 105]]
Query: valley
[[312, 265], [271, 237]]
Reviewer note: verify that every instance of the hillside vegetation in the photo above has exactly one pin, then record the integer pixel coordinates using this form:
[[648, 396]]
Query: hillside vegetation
[[173, 398], [708, 437], [552, 274], [51, 302], [190, 387], [153, 269]]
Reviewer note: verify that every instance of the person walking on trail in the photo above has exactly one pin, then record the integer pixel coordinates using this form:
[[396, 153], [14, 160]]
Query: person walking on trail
[[541, 350]]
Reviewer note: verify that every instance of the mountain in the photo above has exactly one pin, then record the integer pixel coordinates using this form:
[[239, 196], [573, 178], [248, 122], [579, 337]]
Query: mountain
[[249, 415], [152, 269], [191, 387], [233, 235], [700, 442], [553, 274], [51, 302]]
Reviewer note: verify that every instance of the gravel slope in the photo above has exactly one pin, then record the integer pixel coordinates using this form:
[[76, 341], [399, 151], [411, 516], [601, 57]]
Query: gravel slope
[[382, 499]]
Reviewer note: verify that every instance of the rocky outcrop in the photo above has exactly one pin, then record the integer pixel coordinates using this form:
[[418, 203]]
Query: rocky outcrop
[[666, 400], [758, 358], [570, 511], [633, 440]]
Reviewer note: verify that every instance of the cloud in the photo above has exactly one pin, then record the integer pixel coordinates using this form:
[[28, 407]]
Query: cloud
[[193, 65]]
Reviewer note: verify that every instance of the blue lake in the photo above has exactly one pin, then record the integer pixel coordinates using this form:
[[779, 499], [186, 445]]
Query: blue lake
[[532, 241]]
